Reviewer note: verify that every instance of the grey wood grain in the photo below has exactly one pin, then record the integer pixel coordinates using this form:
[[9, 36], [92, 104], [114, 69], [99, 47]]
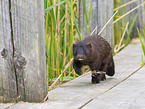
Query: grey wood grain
[[105, 12], [102, 10], [140, 18], [8, 89], [128, 95], [5, 105], [29, 49], [22, 46]]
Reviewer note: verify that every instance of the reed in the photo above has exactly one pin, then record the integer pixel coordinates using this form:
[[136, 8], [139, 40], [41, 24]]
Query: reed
[[120, 20], [62, 30], [141, 37], [61, 25]]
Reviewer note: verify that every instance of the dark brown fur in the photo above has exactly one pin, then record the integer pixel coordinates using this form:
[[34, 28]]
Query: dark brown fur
[[95, 52], [98, 76]]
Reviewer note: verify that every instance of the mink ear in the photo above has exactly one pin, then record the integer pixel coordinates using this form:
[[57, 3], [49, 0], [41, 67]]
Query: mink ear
[[89, 45], [74, 45]]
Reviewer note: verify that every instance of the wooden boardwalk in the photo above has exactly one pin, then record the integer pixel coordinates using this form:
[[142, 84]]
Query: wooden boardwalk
[[125, 90]]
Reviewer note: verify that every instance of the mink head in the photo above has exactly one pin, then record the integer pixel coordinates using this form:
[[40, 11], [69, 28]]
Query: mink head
[[82, 50]]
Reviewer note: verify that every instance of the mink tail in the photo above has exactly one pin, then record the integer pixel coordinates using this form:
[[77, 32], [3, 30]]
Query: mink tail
[[111, 69]]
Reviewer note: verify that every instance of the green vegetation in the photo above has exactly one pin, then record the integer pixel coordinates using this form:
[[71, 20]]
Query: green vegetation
[[62, 30], [121, 35], [142, 42]]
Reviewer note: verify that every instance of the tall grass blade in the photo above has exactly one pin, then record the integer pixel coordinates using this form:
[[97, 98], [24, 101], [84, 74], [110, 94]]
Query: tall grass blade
[[129, 12], [144, 30], [132, 22], [142, 44], [125, 4], [85, 13], [90, 12], [107, 22], [51, 7]]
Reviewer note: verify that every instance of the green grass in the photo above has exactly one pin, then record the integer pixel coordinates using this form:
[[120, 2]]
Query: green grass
[[61, 25], [120, 26], [62, 30], [142, 42]]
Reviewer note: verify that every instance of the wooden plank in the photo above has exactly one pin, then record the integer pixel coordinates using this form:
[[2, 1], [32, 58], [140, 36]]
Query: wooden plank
[[128, 95], [101, 12], [29, 49], [5, 106], [94, 16], [140, 18], [104, 15], [78, 92], [8, 90]]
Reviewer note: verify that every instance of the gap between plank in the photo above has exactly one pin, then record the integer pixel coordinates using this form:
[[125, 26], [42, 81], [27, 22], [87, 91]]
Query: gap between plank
[[12, 41], [111, 87], [10, 106]]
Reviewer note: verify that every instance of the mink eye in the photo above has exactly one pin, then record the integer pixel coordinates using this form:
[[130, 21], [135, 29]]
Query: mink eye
[[85, 51], [75, 52]]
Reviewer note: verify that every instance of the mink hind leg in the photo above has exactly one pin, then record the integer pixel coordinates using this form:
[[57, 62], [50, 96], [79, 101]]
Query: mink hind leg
[[103, 77], [111, 69]]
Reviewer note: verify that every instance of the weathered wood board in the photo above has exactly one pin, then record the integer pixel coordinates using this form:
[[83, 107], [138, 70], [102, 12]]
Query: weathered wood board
[[140, 17], [23, 70], [8, 89], [5, 106], [128, 95], [29, 42], [101, 12]]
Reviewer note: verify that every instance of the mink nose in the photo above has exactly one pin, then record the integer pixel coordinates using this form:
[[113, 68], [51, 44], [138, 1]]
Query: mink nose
[[80, 57]]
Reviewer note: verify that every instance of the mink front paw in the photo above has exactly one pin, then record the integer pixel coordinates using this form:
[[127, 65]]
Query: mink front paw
[[98, 76], [78, 70], [95, 79]]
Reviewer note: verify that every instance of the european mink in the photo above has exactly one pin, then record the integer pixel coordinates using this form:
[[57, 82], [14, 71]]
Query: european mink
[[95, 52]]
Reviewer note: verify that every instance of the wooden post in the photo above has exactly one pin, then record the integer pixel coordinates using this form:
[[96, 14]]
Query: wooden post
[[22, 46], [102, 10], [140, 18], [8, 89]]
